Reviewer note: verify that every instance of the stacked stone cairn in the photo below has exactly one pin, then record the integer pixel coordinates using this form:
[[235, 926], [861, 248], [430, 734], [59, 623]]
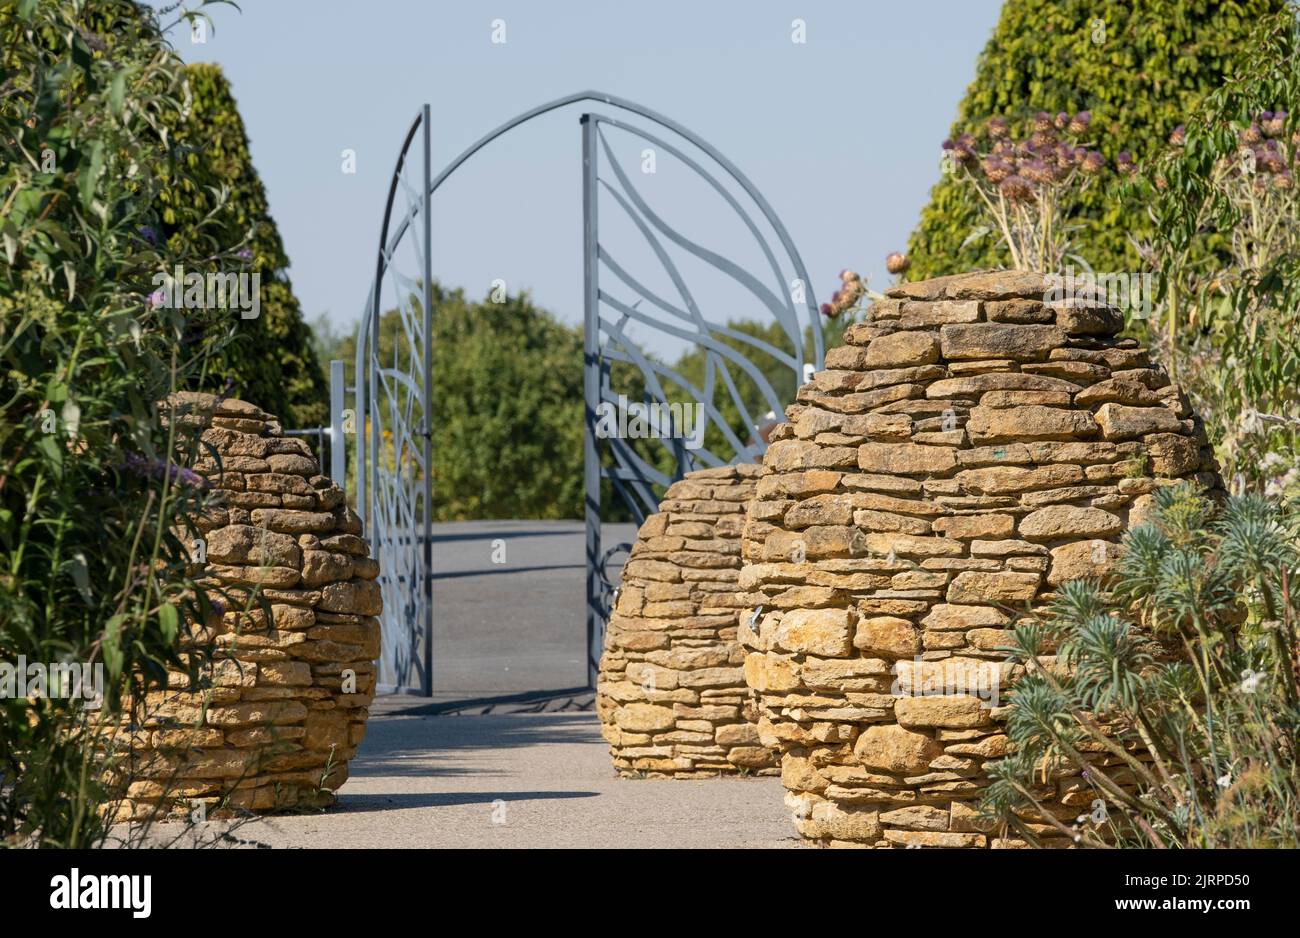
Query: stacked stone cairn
[[974, 445], [289, 693], [671, 691]]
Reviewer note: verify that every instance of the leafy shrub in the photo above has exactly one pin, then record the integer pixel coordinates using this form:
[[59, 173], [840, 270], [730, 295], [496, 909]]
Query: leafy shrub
[[1225, 213], [1190, 659], [96, 507]]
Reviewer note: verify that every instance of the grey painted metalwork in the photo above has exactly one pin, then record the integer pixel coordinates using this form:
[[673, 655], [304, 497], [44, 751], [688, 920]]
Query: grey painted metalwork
[[394, 488], [338, 425], [394, 411]]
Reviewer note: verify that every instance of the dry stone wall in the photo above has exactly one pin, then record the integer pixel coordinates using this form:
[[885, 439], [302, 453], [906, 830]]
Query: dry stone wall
[[969, 449], [671, 692], [289, 693]]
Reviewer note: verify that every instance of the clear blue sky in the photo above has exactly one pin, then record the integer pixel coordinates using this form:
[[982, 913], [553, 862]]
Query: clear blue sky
[[840, 133]]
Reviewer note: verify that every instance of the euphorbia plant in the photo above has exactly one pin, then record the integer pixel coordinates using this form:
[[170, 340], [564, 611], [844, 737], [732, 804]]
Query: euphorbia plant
[[1170, 688]]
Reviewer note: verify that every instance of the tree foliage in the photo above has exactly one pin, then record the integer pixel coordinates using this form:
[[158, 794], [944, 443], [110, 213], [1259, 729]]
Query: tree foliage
[[1138, 67], [507, 392], [1225, 243], [219, 196]]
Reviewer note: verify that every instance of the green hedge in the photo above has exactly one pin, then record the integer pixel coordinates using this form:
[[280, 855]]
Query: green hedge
[[271, 362], [1156, 60]]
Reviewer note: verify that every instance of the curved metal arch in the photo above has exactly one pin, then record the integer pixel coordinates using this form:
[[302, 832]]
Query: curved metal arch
[[631, 473], [623, 103], [735, 271]]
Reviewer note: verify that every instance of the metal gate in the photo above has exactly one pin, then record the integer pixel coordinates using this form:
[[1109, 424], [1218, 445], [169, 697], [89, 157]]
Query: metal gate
[[394, 453]]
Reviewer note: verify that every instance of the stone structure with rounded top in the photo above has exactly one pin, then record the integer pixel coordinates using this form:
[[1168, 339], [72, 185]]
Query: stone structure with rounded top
[[289, 694], [671, 692], [974, 444]]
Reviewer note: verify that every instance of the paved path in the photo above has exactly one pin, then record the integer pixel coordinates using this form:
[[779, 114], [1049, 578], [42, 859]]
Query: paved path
[[510, 637], [517, 626], [520, 780]]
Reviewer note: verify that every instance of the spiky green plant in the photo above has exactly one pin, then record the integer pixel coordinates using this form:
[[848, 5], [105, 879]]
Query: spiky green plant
[[1172, 690]]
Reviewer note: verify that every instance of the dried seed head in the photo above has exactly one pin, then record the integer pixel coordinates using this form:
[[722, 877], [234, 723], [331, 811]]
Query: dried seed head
[[897, 262]]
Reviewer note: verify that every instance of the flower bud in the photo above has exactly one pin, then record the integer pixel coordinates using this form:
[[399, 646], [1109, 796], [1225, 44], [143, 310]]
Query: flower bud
[[1017, 189], [897, 262], [996, 168], [1093, 163]]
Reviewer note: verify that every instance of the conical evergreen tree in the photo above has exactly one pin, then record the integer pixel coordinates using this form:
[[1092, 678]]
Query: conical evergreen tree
[[271, 361], [1139, 66]]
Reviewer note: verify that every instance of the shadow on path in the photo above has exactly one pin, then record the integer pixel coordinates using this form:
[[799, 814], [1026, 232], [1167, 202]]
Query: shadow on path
[[568, 699], [356, 804], [402, 745]]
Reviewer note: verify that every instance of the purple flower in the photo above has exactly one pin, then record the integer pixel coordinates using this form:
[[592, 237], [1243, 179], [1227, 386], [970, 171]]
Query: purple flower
[[147, 468], [1269, 160], [1179, 136], [1042, 121], [149, 235], [157, 299], [1037, 171], [1124, 163], [1093, 163], [244, 254], [1080, 122], [1017, 189], [997, 127], [996, 168]]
